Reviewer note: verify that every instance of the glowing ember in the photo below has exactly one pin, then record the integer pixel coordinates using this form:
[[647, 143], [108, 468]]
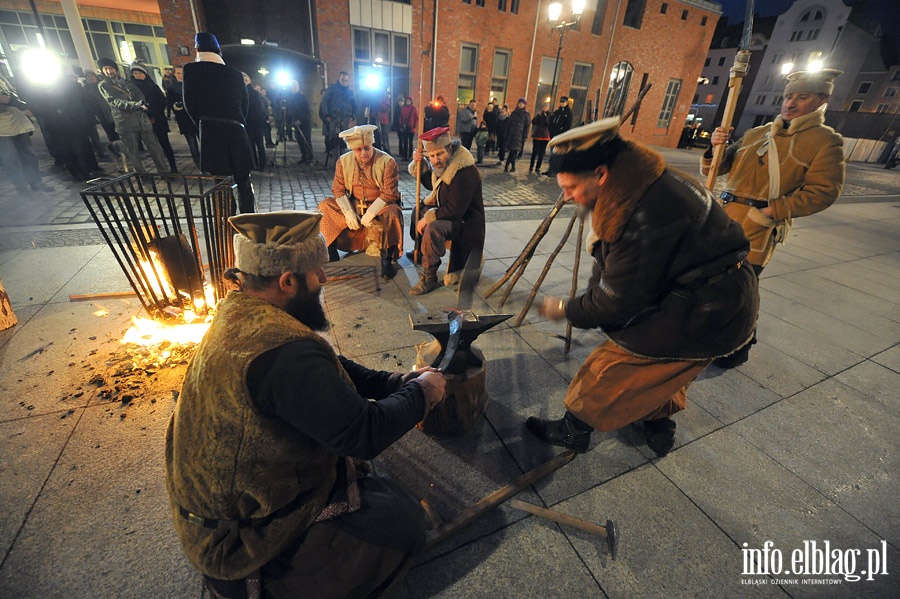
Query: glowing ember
[[149, 332], [102, 312]]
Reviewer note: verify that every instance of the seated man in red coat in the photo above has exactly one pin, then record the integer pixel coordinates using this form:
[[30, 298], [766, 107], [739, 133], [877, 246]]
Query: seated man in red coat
[[453, 211], [366, 202]]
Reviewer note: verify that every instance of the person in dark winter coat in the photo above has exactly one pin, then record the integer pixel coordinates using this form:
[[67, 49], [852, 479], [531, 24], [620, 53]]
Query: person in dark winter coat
[[186, 125], [671, 287], [156, 110], [560, 122], [467, 124], [257, 122], [216, 98], [301, 121], [436, 114], [502, 133], [489, 116], [453, 211], [519, 124]]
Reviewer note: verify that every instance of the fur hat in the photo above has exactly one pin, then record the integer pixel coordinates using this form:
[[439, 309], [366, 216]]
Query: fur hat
[[271, 243], [812, 82], [435, 139], [585, 148], [563, 99], [359, 136], [107, 62], [206, 42]]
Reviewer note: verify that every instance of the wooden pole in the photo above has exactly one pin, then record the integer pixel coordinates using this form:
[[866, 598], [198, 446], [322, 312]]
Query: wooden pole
[[7, 316], [417, 250], [574, 288], [540, 279], [735, 80]]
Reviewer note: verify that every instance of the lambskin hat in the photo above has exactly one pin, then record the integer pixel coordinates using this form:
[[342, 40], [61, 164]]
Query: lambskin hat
[[271, 243], [812, 82], [206, 42], [585, 148], [359, 136], [435, 139]]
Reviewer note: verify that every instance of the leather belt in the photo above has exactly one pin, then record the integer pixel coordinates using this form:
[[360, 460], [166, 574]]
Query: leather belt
[[242, 522], [215, 119], [727, 198]]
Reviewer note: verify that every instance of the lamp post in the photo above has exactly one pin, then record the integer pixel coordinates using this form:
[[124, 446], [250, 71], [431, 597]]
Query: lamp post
[[554, 12]]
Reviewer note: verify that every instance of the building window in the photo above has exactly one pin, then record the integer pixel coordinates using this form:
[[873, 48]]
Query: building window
[[684, 15], [546, 81], [777, 100], [663, 8], [864, 87], [703, 22], [890, 92], [760, 100], [795, 35], [883, 108], [581, 80], [896, 76], [715, 79], [721, 61], [776, 58], [706, 63], [381, 61], [696, 99], [855, 105], [467, 1], [500, 75], [501, 5], [468, 73], [668, 105], [514, 7], [479, 3], [617, 93], [812, 34], [599, 14], [634, 13]]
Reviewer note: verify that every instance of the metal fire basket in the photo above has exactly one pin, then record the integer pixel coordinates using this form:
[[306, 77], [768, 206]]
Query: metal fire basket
[[170, 235]]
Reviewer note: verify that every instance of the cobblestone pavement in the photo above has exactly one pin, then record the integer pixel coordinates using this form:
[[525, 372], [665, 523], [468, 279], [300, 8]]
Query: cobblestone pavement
[[58, 218]]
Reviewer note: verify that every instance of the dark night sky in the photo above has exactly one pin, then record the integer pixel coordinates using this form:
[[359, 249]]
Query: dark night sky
[[735, 9]]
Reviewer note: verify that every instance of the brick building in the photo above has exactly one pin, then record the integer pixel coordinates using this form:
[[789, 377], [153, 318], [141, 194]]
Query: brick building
[[504, 49]]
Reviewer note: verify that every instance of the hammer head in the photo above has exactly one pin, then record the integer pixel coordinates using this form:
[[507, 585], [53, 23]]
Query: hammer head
[[612, 537]]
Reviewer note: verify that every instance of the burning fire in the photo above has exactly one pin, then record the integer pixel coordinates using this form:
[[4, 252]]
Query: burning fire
[[148, 332]]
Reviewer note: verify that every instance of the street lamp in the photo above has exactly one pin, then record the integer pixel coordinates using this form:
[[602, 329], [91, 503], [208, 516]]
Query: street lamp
[[554, 12]]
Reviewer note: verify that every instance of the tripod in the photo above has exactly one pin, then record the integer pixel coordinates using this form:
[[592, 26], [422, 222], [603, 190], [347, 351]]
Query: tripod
[[281, 137]]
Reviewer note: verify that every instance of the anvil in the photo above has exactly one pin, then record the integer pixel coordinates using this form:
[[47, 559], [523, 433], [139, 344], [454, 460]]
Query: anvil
[[473, 325]]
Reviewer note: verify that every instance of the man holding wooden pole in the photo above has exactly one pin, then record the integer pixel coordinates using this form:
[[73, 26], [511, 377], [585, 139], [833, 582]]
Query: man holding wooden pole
[[793, 166]]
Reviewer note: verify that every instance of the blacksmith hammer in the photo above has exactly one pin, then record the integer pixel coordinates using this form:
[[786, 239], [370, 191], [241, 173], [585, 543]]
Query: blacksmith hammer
[[610, 531]]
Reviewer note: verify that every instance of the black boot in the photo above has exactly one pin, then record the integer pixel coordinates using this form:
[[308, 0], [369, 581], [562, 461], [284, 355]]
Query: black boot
[[568, 432], [333, 255], [660, 435], [388, 270]]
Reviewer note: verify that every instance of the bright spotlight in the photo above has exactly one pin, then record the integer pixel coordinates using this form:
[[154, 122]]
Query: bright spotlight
[[41, 66], [814, 65], [371, 81], [283, 78]]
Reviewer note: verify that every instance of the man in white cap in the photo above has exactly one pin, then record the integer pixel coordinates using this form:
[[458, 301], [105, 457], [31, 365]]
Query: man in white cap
[[365, 195], [453, 211], [260, 467], [793, 166], [215, 96], [670, 287]]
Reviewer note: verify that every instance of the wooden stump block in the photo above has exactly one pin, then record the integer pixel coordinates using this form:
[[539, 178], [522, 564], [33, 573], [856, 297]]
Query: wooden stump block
[[7, 316], [466, 398]]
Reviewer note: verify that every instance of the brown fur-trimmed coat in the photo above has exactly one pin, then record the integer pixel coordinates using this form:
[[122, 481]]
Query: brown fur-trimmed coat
[[665, 282]]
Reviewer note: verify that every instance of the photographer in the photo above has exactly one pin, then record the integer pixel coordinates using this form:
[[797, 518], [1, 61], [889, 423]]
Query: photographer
[[16, 130]]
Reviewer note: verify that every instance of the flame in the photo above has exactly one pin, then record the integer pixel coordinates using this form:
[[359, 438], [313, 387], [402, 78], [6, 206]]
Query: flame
[[148, 332], [155, 274]]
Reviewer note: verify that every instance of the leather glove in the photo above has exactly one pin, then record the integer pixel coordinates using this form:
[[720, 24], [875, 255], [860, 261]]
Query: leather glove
[[372, 211], [349, 215]]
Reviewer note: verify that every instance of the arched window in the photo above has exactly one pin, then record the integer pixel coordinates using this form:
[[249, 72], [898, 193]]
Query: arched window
[[617, 92]]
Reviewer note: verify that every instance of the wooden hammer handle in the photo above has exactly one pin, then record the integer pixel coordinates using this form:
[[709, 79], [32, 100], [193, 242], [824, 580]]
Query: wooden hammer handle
[[559, 517]]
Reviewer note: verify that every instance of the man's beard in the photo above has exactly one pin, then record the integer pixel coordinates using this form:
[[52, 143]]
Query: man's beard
[[307, 308]]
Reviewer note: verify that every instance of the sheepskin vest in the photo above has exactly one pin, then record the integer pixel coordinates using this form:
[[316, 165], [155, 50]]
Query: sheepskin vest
[[227, 461], [350, 167]]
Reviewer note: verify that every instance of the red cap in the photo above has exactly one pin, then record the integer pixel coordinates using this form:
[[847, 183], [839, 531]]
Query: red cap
[[433, 134]]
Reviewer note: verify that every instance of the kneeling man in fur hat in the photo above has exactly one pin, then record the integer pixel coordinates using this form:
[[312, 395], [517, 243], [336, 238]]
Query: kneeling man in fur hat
[[261, 452]]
